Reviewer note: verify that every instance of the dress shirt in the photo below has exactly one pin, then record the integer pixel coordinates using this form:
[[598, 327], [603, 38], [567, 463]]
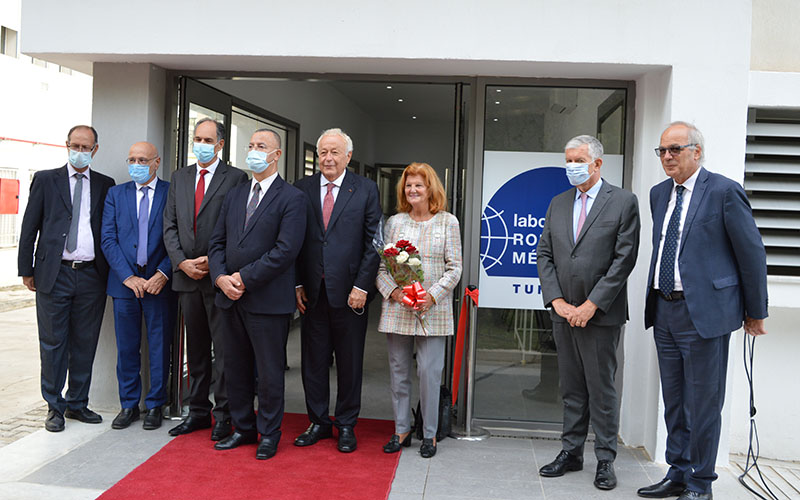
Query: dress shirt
[[687, 198], [151, 191], [265, 184], [323, 187], [85, 249], [211, 168], [591, 194]]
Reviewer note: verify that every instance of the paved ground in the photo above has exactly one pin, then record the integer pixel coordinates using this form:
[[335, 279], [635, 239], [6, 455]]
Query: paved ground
[[85, 460]]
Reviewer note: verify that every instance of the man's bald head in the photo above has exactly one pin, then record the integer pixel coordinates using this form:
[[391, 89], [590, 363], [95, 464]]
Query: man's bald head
[[145, 153]]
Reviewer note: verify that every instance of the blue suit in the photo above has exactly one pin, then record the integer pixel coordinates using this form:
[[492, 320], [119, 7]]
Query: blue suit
[[120, 236], [722, 266]]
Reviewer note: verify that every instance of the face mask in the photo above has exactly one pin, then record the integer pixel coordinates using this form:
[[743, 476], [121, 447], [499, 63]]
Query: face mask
[[80, 160], [257, 160], [577, 173], [139, 173], [204, 152]]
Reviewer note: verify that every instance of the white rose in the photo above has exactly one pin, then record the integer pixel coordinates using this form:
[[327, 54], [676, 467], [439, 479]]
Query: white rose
[[402, 257], [388, 246], [413, 261]]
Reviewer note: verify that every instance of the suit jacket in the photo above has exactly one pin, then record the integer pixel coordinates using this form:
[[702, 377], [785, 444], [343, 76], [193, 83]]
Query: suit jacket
[[344, 252], [721, 258], [179, 236], [48, 215], [264, 252], [120, 236], [597, 265]]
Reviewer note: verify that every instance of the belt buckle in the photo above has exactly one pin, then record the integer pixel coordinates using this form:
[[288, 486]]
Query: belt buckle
[[75, 263]]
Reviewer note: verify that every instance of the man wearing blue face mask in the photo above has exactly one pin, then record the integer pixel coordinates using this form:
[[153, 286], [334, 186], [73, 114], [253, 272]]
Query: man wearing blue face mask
[[140, 268], [68, 274], [252, 256], [588, 248], [195, 198]]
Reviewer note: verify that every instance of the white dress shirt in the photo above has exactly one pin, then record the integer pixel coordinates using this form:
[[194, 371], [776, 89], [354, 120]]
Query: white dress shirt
[[323, 187], [591, 194], [85, 249], [265, 184], [687, 198], [211, 169]]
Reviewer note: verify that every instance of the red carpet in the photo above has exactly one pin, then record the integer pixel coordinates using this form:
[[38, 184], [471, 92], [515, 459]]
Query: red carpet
[[189, 468]]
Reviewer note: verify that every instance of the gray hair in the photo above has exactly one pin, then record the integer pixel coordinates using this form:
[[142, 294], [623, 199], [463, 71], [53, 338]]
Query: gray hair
[[220, 127], [340, 133], [595, 147], [275, 135], [695, 137]]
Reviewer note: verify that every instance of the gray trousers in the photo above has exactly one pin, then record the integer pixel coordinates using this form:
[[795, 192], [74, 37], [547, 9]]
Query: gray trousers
[[587, 365], [430, 361]]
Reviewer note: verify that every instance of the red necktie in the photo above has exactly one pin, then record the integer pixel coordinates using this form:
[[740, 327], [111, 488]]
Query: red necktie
[[199, 192], [327, 205]]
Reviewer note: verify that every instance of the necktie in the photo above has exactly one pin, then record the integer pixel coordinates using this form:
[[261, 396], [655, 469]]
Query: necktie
[[666, 269], [199, 192], [253, 204], [582, 216], [327, 205], [144, 217], [72, 237]]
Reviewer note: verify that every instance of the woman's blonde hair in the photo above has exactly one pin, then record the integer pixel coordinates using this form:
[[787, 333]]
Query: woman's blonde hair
[[437, 199]]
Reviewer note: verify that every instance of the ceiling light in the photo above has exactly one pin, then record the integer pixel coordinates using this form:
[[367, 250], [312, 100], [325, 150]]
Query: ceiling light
[[389, 87], [494, 120], [497, 102], [499, 90], [400, 100], [413, 117]]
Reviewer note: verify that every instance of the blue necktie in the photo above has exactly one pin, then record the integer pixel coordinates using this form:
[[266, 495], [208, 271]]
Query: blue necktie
[[144, 216], [666, 270]]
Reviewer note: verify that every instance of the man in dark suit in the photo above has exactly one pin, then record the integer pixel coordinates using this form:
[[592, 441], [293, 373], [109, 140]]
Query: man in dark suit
[[587, 250], [708, 273], [134, 247], [252, 257], [64, 211], [336, 275], [195, 198]]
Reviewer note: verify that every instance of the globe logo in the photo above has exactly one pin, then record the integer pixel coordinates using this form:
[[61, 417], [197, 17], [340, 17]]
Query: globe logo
[[512, 220]]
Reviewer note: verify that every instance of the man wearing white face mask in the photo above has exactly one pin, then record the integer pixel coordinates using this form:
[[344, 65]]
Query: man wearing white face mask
[[134, 247], [68, 274], [251, 256], [588, 248], [195, 198]]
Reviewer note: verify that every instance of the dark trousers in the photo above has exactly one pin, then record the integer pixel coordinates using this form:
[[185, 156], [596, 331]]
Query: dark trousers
[[693, 371], [587, 365], [204, 329], [159, 317], [256, 341], [326, 330], [69, 319]]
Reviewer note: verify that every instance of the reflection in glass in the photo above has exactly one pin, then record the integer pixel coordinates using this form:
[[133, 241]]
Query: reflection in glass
[[197, 113]]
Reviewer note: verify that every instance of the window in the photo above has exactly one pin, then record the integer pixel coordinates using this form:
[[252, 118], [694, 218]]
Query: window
[[772, 182], [8, 41], [8, 222], [309, 160]]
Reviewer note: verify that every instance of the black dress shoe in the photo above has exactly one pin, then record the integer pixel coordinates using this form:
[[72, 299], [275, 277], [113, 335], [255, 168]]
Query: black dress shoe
[[85, 415], [153, 419], [235, 440], [604, 478], [221, 430], [564, 462], [54, 421], [314, 433], [394, 444], [191, 424], [267, 448], [125, 418], [428, 448], [693, 495], [347, 439], [662, 489]]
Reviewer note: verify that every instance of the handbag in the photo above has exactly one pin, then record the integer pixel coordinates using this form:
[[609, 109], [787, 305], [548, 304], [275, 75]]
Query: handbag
[[446, 416]]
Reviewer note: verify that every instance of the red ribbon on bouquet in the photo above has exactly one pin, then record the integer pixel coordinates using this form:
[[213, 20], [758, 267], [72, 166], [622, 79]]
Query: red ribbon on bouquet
[[414, 295], [463, 319]]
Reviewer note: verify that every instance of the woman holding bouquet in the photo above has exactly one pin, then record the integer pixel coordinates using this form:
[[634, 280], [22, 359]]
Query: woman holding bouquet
[[423, 223]]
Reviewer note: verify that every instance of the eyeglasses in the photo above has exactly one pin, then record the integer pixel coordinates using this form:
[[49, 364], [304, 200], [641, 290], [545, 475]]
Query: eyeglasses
[[673, 150], [139, 161], [80, 149]]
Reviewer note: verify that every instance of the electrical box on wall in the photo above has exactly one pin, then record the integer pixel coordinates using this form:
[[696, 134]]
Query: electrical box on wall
[[9, 196]]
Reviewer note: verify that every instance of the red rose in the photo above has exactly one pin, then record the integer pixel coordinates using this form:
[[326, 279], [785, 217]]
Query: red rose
[[391, 252], [402, 243], [411, 249]]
